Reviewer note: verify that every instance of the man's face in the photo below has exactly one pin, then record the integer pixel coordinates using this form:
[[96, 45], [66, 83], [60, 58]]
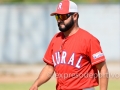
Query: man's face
[[65, 25]]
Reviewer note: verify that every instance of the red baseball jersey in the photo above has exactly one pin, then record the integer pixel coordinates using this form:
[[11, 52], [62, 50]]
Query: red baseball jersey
[[74, 59]]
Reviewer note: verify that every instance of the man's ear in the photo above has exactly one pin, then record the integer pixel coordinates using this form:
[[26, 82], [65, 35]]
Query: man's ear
[[75, 16]]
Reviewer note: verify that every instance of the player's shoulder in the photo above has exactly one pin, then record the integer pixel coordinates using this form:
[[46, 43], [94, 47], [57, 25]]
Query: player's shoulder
[[57, 35], [87, 35]]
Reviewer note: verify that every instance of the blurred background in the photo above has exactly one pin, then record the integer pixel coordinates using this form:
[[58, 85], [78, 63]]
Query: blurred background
[[26, 29]]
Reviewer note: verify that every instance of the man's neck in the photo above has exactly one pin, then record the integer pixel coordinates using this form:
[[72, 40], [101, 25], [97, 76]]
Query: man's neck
[[71, 31]]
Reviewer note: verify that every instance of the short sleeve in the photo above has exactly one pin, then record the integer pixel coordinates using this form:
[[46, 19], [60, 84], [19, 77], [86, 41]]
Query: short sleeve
[[48, 55], [95, 51]]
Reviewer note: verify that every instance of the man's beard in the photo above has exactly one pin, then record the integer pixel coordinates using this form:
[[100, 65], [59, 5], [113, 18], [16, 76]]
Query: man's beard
[[67, 26]]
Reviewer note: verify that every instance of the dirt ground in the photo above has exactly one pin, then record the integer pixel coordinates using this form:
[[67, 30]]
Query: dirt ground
[[19, 73]]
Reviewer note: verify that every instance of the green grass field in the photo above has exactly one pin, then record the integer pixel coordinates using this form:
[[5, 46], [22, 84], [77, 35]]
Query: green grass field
[[50, 85]]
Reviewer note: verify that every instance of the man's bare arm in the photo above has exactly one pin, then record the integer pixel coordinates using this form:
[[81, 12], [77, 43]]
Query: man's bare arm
[[43, 77], [104, 75]]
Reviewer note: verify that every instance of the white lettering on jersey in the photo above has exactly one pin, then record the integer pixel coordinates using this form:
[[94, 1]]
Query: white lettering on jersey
[[78, 63], [98, 55], [60, 6], [57, 54], [53, 61], [71, 59], [63, 57], [57, 59]]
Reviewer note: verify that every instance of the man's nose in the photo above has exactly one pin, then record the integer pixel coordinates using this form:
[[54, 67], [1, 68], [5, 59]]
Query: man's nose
[[59, 20]]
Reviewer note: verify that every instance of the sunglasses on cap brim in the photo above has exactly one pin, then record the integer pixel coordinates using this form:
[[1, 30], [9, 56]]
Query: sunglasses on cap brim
[[63, 16]]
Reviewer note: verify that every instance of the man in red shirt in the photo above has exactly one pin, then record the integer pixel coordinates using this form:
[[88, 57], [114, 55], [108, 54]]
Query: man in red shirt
[[73, 54]]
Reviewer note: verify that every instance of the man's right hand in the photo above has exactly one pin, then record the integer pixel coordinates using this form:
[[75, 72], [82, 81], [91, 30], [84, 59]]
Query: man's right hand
[[44, 76], [33, 87]]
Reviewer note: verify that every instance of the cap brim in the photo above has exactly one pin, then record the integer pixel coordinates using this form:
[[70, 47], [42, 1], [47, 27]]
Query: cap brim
[[54, 13]]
